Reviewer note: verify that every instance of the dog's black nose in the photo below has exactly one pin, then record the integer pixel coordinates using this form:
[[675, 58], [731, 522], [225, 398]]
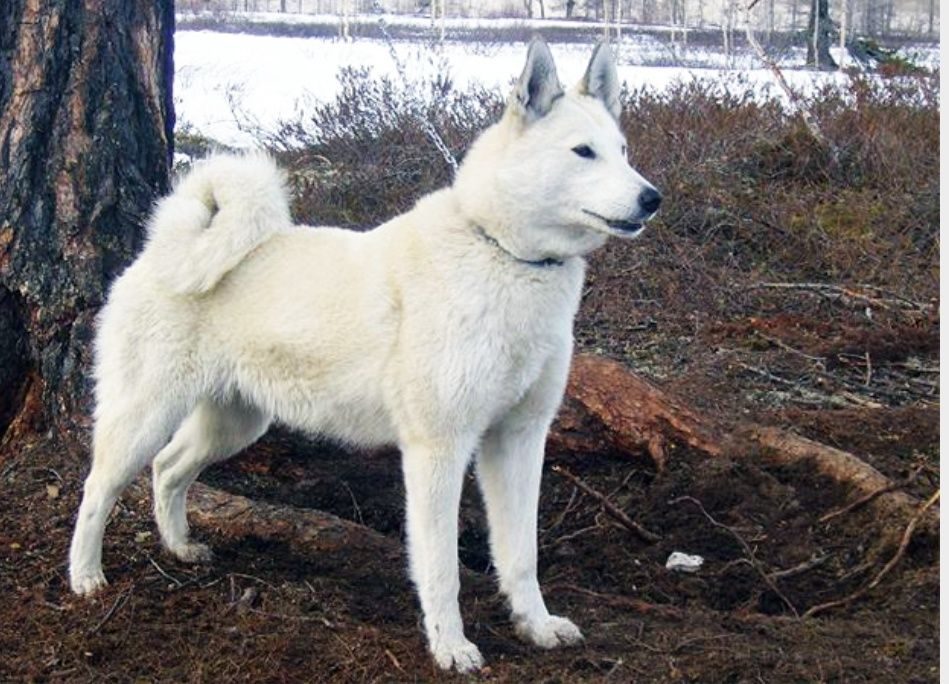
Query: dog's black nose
[[649, 200]]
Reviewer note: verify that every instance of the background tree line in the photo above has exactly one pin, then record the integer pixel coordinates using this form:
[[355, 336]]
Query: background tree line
[[872, 18]]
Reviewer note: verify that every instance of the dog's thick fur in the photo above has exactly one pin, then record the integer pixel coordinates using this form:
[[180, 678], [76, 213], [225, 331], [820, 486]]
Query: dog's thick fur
[[446, 331]]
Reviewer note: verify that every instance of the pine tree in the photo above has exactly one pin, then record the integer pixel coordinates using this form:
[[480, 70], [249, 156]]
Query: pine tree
[[86, 121]]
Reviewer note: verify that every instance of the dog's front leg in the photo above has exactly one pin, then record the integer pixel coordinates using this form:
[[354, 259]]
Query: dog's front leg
[[509, 472], [433, 480]]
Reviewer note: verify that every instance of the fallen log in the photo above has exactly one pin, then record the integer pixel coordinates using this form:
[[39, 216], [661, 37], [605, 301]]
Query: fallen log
[[304, 529]]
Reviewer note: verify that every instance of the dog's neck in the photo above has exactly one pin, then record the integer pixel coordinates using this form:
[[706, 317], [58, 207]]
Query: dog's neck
[[540, 263]]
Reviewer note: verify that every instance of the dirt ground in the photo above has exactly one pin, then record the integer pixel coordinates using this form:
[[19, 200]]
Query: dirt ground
[[265, 612]]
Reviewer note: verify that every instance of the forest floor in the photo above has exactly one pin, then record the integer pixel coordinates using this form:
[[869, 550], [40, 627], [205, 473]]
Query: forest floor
[[267, 611]]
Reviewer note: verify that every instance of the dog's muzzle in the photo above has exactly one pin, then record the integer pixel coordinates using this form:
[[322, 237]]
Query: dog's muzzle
[[648, 200]]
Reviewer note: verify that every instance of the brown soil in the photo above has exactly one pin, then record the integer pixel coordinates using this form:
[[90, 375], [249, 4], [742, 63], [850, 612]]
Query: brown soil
[[267, 612]]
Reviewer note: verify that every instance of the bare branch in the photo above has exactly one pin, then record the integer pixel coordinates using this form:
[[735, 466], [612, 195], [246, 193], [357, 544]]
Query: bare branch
[[900, 552], [608, 505]]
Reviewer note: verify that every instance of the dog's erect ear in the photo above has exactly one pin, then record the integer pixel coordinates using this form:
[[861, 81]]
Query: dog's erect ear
[[538, 87], [601, 80]]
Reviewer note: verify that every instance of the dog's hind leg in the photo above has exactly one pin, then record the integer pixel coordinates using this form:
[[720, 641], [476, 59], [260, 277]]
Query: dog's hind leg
[[211, 433], [124, 441]]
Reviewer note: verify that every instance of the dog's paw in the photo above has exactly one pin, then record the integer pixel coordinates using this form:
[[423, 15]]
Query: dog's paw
[[192, 552], [549, 632], [462, 656], [87, 583]]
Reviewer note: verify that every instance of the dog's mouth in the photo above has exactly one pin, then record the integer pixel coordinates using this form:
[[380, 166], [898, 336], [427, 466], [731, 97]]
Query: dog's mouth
[[623, 226]]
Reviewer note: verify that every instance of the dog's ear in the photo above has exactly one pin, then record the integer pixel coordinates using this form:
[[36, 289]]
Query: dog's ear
[[538, 87], [601, 80]]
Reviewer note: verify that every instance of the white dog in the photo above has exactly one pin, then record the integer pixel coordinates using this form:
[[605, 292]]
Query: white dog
[[446, 331]]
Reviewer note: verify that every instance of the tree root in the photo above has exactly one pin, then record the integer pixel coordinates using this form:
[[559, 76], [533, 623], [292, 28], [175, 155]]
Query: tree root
[[900, 551], [608, 407]]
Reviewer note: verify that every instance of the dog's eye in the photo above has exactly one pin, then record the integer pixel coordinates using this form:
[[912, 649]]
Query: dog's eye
[[584, 151]]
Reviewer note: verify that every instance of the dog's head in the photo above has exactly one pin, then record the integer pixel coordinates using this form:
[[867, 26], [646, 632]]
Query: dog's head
[[552, 178]]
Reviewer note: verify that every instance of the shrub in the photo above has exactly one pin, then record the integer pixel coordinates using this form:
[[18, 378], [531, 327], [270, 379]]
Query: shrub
[[365, 156], [750, 192]]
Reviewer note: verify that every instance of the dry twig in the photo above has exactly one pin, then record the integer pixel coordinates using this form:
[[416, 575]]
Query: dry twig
[[163, 573], [849, 296], [800, 568], [608, 505], [634, 604], [870, 496], [900, 552], [120, 601], [744, 545]]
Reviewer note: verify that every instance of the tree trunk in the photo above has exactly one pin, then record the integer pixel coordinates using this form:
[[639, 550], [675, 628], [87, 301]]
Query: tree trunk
[[728, 7], [887, 17], [819, 30], [843, 32], [86, 121], [871, 14]]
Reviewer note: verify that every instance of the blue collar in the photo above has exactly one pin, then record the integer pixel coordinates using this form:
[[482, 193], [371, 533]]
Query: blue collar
[[541, 263]]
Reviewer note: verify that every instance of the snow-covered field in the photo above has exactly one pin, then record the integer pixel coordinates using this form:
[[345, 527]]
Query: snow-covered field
[[229, 83]]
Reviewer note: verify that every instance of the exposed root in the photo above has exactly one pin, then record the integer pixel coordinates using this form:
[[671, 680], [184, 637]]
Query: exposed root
[[900, 552], [782, 446], [867, 498], [607, 406]]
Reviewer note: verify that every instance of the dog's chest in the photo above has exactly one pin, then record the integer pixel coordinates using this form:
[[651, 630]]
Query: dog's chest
[[500, 337]]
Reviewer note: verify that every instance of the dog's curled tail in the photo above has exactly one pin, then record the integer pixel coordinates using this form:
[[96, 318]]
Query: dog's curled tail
[[218, 213]]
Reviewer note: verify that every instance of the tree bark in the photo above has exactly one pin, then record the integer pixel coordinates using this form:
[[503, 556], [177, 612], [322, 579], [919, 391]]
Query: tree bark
[[86, 121], [630, 414]]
